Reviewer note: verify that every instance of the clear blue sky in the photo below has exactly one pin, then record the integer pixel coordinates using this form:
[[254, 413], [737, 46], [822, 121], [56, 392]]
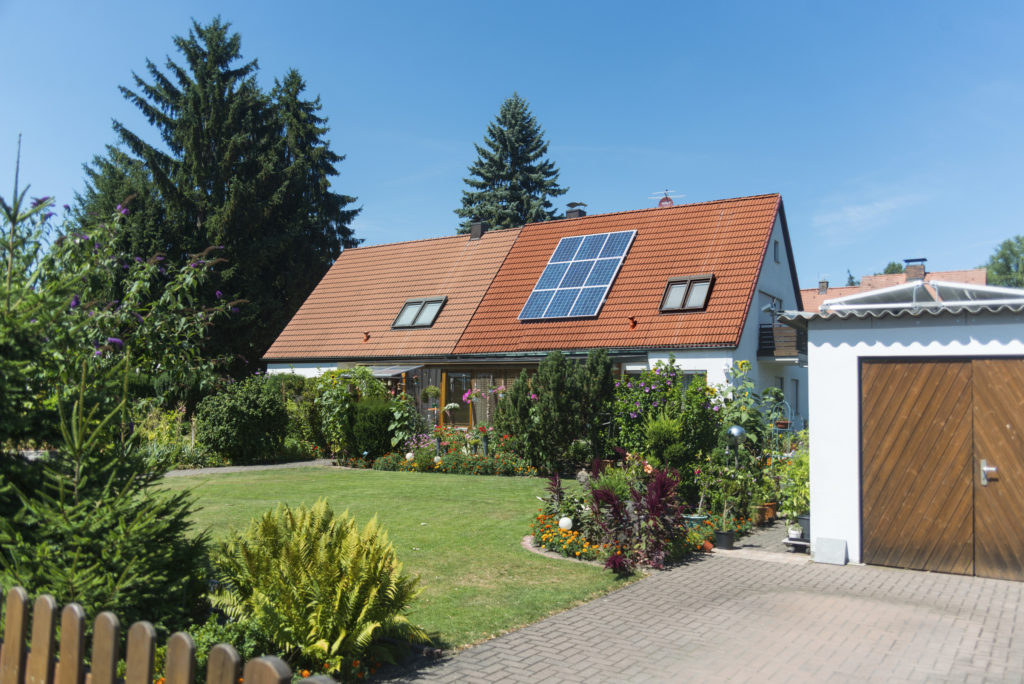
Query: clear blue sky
[[892, 129]]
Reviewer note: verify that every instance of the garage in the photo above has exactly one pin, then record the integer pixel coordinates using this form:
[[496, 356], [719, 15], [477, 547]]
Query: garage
[[942, 465], [917, 428]]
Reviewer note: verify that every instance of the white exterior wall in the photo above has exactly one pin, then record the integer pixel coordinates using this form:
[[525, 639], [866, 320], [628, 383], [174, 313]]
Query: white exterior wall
[[714, 362], [308, 370], [776, 280], [834, 350]]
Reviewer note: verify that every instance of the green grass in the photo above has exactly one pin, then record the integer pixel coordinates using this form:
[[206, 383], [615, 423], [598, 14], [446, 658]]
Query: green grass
[[461, 534]]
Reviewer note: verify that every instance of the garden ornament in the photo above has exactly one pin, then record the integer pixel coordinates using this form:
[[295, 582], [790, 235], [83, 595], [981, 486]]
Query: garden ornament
[[565, 523], [737, 435]]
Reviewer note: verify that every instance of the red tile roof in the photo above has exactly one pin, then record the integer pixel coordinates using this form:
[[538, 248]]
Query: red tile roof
[[367, 286], [727, 238], [812, 299]]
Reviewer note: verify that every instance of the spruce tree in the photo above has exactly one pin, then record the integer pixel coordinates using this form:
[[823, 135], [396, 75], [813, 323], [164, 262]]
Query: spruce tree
[[511, 182], [238, 168]]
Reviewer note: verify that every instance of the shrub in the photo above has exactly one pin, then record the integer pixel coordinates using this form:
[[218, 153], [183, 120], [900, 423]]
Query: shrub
[[370, 428], [660, 432], [564, 402], [795, 481], [636, 397], [319, 589], [244, 423], [700, 421]]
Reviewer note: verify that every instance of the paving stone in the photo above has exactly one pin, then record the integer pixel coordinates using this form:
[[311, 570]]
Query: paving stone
[[747, 616]]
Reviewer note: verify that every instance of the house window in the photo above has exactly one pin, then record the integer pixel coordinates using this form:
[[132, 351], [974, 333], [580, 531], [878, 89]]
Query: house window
[[776, 250], [795, 397], [419, 313], [687, 294]]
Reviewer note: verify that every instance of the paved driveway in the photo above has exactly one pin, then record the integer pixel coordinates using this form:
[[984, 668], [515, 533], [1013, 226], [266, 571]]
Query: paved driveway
[[752, 615]]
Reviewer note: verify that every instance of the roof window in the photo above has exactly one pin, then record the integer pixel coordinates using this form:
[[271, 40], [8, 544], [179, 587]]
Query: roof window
[[687, 294], [419, 313]]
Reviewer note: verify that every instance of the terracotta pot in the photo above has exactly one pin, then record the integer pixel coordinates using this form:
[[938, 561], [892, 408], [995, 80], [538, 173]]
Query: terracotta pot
[[760, 516], [707, 546], [773, 510]]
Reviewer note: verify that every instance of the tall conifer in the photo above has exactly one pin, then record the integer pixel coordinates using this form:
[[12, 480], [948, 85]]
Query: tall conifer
[[511, 182], [235, 167]]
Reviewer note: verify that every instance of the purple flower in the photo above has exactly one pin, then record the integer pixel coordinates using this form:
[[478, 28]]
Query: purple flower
[[196, 264], [533, 397], [234, 309], [636, 403], [629, 385], [97, 353], [36, 201], [715, 409], [139, 318], [138, 260], [648, 390], [115, 340], [218, 294], [657, 371], [75, 301], [123, 211], [67, 208], [632, 415], [48, 215]]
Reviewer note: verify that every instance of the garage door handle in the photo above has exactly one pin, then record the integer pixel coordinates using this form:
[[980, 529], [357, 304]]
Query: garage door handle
[[985, 470]]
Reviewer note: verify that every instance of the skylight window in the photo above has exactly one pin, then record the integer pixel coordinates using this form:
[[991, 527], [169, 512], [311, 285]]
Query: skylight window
[[687, 294], [577, 278], [419, 313]]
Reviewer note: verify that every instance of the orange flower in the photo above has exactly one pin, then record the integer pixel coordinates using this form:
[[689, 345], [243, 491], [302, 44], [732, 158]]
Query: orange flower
[[304, 673]]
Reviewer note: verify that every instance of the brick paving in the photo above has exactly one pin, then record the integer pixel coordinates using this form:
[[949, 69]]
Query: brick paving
[[753, 614]]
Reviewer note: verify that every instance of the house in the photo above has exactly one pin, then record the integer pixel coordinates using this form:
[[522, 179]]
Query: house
[[916, 453], [914, 270], [703, 283]]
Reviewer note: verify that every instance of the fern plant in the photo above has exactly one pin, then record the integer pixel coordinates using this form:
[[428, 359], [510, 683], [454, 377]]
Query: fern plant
[[320, 590]]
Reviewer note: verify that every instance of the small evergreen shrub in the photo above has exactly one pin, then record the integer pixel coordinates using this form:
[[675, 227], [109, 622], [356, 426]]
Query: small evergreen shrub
[[370, 433], [244, 423], [319, 589], [660, 432]]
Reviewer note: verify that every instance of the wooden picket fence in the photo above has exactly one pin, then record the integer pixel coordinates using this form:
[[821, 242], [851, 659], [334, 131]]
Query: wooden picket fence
[[43, 665]]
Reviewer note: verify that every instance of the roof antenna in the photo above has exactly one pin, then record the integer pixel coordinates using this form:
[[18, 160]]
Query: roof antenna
[[666, 199]]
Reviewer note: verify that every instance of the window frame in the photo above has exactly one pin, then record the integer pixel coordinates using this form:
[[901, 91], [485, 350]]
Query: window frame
[[688, 282], [421, 301]]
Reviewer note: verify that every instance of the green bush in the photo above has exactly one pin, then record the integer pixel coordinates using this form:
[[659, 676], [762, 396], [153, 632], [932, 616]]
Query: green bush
[[660, 432], [318, 588], [636, 397], [795, 481], [370, 433], [700, 421], [245, 423]]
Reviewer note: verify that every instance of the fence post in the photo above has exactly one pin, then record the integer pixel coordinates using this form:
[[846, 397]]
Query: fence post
[[138, 658], [223, 666], [12, 659], [106, 636], [181, 659], [70, 667], [267, 670], [40, 658]]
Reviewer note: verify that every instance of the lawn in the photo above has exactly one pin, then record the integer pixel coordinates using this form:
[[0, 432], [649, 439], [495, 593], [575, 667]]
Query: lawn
[[461, 534]]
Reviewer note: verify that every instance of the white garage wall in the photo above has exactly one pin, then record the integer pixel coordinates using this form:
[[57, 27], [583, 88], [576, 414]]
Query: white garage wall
[[834, 350], [309, 370]]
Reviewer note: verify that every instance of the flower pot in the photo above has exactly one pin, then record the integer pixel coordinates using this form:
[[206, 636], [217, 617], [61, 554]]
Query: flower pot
[[760, 516], [805, 523], [723, 539], [706, 546], [782, 424], [773, 510], [695, 519], [795, 532]]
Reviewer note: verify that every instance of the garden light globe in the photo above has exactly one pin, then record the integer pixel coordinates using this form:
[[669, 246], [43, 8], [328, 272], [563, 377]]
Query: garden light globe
[[409, 456], [565, 523], [737, 434], [437, 459]]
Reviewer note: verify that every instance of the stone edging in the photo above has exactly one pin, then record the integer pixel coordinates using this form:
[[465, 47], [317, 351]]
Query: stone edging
[[527, 543]]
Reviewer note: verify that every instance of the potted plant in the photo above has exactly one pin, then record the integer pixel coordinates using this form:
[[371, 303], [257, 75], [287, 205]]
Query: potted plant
[[796, 492]]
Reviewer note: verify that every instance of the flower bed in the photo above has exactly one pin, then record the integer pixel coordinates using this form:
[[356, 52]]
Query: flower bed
[[570, 543]]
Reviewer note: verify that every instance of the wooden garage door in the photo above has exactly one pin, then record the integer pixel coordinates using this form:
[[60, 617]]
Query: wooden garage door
[[999, 441], [926, 427], [916, 465]]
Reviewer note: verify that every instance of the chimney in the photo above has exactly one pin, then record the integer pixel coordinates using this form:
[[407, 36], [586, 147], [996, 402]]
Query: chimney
[[822, 286], [575, 213], [914, 269], [477, 229]]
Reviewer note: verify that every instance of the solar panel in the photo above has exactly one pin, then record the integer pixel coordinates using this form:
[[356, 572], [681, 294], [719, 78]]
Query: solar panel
[[577, 278]]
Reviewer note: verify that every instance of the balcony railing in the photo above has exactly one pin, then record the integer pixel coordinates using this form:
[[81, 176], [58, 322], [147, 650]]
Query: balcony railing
[[781, 341]]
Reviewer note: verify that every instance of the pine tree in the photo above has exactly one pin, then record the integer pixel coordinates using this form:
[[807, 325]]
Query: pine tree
[[511, 182], [238, 168]]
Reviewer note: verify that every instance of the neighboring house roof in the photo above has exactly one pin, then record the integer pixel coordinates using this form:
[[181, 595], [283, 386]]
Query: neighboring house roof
[[727, 238], [813, 297], [366, 288]]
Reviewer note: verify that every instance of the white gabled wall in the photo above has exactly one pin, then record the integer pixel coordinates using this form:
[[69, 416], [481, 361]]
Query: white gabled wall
[[776, 280], [713, 362], [835, 348]]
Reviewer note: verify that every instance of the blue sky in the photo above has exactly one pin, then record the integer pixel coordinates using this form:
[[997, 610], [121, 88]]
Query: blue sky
[[892, 129]]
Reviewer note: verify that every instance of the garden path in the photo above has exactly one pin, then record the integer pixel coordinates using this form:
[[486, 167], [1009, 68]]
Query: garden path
[[755, 615]]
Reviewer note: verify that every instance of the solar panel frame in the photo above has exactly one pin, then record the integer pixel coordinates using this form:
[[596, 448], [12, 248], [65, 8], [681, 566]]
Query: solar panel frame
[[587, 266]]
